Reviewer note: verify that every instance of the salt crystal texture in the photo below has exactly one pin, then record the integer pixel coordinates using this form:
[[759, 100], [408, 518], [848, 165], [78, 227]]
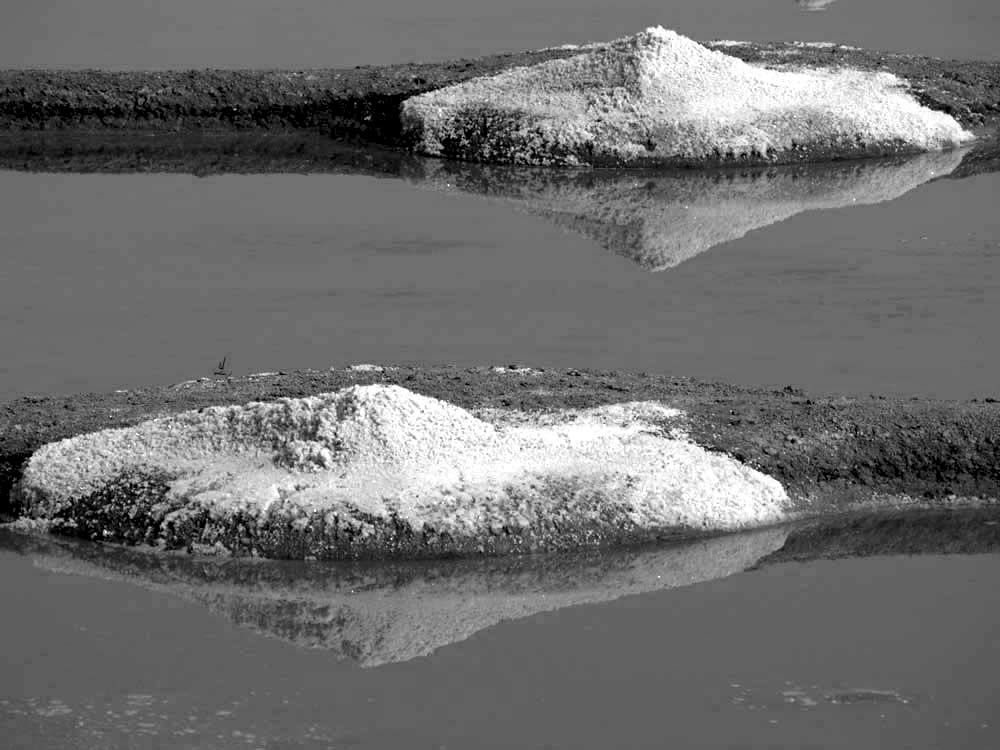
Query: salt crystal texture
[[659, 96], [388, 453]]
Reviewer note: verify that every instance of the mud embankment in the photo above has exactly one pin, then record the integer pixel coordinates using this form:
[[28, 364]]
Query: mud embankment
[[354, 103], [364, 103], [204, 153]]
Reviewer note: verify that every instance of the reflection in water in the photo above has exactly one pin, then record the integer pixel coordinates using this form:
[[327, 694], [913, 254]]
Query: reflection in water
[[661, 218], [382, 613], [812, 5], [656, 218]]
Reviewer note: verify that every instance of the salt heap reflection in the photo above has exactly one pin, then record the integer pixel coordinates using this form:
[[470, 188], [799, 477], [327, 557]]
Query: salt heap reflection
[[814, 5], [376, 614], [660, 218]]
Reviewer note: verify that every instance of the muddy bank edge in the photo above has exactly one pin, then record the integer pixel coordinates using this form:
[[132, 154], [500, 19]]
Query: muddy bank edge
[[832, 455], [364, 103]]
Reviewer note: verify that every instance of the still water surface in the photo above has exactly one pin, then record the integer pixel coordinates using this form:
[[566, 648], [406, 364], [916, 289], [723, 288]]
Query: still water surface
[[860, 277], [886, 652], [122, 34]]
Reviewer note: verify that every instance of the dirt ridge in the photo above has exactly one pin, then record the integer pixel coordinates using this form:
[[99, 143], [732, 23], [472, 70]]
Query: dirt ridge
[[363, 103]]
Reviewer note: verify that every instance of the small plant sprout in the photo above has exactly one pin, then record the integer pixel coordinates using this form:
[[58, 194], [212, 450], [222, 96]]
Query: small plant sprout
[[222, 369]]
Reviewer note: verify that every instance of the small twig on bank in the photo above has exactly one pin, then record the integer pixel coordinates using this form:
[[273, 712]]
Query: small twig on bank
[[222, 369]]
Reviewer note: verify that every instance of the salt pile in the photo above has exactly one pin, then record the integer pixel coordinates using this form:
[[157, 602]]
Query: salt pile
[[376, 470], [660, 97]]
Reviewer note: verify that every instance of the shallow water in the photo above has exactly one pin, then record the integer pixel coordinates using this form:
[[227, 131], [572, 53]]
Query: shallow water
[[892, 652], [860, 277], [124, 34]]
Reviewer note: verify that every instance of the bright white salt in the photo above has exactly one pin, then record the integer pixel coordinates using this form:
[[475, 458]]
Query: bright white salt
[[661, 95], [384, 449]]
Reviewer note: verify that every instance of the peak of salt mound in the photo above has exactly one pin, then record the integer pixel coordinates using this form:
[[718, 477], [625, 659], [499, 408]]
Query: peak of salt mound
[[655, 63], [390, 424], [664, 57], [384, 424], [659, 97]]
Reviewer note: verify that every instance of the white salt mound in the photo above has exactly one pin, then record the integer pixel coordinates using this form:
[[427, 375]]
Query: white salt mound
[[386, 451], [659, 95]]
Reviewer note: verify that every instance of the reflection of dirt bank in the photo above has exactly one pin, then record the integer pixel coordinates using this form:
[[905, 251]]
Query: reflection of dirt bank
[[660, 219], [377, 614], [926, 531]]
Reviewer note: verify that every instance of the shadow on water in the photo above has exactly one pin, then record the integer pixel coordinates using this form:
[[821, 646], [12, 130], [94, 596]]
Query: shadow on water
[[382, 613], [655, 218]]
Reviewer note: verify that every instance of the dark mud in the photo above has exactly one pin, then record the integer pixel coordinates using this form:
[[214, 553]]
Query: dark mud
[[199, 153], [299, 152], [831, 454], [356, 103], [362, 105], [925, 531]]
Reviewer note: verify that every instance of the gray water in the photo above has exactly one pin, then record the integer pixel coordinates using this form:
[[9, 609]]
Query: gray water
[[126, 34], [857, 278], [883, 652]]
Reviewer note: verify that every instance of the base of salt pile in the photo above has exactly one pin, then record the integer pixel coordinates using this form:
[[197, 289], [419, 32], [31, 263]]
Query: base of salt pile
[[377, 471], [658, 97]]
